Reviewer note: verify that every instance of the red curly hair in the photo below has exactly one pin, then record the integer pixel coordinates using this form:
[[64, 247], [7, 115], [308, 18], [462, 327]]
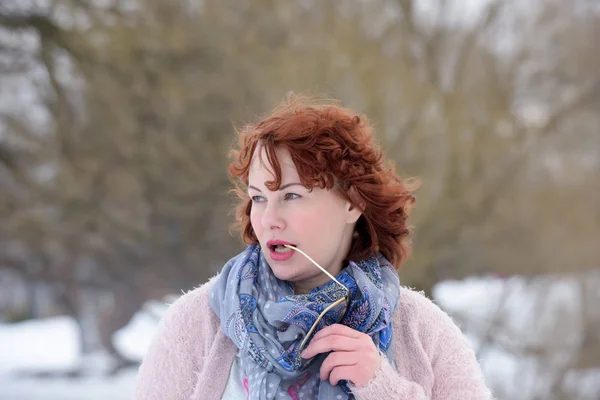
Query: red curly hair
[[332, 148]]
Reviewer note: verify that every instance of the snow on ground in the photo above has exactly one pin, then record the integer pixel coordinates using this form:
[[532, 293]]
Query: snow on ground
[[40, 344], [542, 313], [52, 344], [117, 388]]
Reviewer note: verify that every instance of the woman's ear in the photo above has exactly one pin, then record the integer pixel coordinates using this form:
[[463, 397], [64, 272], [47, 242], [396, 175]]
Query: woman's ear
[[354, 212]]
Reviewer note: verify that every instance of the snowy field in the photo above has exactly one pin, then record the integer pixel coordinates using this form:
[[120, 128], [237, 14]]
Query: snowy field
[[51, 345]]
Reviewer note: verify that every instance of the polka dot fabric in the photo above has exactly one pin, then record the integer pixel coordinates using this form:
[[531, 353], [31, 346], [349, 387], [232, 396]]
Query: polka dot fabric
[[266, 321]]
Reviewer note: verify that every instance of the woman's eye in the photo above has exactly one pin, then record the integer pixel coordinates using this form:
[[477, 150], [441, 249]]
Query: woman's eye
[[291, 196], [257, 199]]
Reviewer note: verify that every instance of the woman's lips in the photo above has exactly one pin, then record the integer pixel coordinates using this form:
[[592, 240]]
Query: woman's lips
[[275, 256]]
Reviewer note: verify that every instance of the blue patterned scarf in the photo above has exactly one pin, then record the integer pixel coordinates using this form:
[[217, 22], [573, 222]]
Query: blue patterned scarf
[[267, 321]]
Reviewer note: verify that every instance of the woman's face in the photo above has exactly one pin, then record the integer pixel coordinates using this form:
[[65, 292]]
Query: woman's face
[[319, 222]]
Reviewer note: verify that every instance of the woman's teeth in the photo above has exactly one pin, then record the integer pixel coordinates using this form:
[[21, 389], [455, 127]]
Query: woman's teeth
[[281, 249]]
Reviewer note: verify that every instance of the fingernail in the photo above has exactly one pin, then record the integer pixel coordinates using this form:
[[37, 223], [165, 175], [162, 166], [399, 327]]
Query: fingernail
[[303, 354]]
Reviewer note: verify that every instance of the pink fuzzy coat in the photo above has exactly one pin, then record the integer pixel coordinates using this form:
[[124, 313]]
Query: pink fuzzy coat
[[190, 358]]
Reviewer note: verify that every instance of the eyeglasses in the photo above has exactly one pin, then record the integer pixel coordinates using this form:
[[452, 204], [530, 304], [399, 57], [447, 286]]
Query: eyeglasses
[[344, 300]]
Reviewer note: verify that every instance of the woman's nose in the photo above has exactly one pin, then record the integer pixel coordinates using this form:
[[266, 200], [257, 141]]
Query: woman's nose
[[272, 217]]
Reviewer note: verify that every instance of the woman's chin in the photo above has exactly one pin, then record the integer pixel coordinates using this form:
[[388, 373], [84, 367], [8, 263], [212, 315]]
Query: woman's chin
[[284, 273]]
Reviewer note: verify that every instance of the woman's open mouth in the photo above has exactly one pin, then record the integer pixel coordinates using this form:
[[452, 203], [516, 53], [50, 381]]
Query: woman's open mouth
[[278, 251], [280, 248]]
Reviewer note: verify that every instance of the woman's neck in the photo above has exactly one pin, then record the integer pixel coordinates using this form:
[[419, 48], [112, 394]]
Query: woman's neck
[[305, 287]]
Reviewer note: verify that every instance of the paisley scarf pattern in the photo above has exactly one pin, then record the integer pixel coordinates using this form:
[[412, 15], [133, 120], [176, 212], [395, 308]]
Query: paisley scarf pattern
[[267, 321]]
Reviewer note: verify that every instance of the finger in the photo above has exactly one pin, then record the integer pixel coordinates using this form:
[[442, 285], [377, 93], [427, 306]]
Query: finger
[[343, 372], [331, 343], [335, 360], [338, 329]]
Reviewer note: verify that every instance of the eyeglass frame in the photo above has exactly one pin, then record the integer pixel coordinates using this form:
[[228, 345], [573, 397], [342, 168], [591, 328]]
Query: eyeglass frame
[[344, 299]]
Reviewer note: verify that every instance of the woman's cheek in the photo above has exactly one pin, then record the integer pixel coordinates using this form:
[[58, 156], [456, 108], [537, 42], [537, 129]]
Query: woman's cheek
[[255, 222], [305, 222]]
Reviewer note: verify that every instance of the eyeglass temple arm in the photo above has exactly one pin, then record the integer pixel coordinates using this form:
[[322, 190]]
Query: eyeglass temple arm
[[317, 264], [335, 303], [312, 329]]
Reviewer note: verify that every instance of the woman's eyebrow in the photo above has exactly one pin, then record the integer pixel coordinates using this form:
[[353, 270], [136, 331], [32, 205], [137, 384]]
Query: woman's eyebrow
[[282, 187]]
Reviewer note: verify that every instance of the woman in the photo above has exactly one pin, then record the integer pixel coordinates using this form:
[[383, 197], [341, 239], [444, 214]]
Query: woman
[[313, 308]]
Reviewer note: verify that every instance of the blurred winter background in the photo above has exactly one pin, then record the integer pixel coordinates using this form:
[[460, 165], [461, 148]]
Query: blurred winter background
[[115, 120]]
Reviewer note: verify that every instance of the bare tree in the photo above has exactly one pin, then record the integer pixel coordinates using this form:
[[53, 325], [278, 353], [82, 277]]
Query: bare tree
[[113, 179]]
